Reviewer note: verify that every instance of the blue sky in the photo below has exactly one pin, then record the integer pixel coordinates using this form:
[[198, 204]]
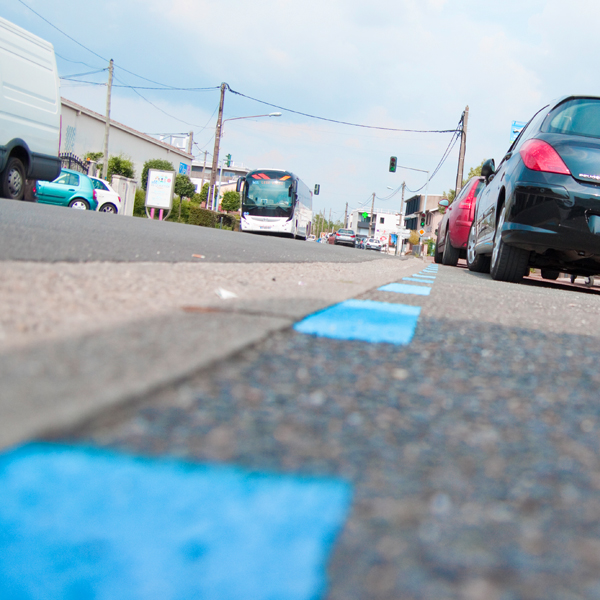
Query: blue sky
[[406, 64]]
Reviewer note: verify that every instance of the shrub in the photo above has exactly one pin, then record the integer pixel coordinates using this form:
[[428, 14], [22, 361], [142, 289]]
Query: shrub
[[139, 205], [120, 165], [202, 217]]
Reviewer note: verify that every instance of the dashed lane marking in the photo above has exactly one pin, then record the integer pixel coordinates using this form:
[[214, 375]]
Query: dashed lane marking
[[416, 279], [83, 523], [405, 288], [365, 320]]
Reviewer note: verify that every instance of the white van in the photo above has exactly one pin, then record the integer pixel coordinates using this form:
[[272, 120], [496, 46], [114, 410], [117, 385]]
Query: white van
[[29, 110]]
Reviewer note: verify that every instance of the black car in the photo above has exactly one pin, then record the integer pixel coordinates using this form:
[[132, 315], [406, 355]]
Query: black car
[[541, 206]]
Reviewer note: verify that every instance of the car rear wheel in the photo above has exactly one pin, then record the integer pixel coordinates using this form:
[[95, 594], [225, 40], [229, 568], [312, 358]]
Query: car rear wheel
[[479, 263], [79, 203], [508, 263], [12, 180], [551, 274], [109, 208], [451, 254]]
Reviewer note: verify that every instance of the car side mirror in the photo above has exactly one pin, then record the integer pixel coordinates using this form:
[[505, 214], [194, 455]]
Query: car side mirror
[[238, 185], [488, 168], [444, 203]]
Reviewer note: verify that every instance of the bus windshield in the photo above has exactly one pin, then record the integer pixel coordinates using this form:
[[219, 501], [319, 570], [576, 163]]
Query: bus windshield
[[268, 194]]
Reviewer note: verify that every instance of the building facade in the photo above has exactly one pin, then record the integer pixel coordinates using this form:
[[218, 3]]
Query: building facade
[[423, 213], [82, 131]]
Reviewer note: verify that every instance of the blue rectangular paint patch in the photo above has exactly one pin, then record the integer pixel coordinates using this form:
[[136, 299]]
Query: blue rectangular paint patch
[[80, 523], [423, 274], [405, 288], [364, 320], [417, 280]]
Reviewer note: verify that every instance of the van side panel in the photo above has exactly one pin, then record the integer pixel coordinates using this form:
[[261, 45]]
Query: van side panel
[[29, 100]]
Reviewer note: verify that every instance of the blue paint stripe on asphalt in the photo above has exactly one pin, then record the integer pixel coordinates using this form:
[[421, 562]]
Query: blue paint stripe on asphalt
[[405, 288], [364, 320], [83, 523], [423, 274], [417, 280]]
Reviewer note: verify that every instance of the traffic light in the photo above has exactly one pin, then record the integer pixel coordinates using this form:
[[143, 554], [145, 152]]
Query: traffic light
[[317, 189], [228, 157], [393, 161], [422, 220]]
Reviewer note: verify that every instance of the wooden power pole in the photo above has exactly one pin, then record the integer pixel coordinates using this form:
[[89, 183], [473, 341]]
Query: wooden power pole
[[463, 148], [107, 123], [215, 161], [371, 218]]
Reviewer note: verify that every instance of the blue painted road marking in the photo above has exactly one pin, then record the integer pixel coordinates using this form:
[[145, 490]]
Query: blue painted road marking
[[423, 274], [417, 280], [405, 288], [364, 320], [80, 523]]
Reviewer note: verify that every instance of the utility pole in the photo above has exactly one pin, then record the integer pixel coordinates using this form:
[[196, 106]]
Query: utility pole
[[107, 123], [371, 219], [190, 142], [215, 161], [463, 148], [203, 171], [330, 223], [346, 216], [401, 240]]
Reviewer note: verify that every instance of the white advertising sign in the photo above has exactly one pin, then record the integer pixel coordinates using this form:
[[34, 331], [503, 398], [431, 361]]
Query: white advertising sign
[[160, 188]]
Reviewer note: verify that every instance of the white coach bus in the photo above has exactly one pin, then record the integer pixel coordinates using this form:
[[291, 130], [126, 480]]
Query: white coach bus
[[276, 202]]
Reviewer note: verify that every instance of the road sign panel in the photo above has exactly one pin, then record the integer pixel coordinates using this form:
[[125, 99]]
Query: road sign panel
[[421, 232]]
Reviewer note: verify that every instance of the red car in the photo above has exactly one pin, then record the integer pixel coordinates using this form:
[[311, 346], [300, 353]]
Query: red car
[[453, 231]]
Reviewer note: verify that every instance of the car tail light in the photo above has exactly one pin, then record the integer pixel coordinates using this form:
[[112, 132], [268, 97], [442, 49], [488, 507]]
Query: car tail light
[[95, 195], [119, 197], [541, 156]]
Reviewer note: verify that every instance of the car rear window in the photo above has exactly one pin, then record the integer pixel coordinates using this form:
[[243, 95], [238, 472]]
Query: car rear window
[[346, 231], [580, 116]]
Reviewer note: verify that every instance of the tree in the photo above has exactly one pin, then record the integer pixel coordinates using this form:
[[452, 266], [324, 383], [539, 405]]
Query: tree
[[155, 163], [203, 194], [473, 172], [414, 238], [231, 201], [120, 165], [184, 187]]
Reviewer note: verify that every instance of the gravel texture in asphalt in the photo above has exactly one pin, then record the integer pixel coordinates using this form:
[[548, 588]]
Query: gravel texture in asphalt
[[472, 452]]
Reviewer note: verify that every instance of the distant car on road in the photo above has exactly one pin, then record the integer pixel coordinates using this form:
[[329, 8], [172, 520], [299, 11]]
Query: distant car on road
[[70, 188], [373, 244], [540, 207], [108, 200], [345, 237], [453, 230]]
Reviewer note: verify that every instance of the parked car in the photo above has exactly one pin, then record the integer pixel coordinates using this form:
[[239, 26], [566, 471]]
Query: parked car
[[540, 207], [373, 244], [108, 200], [70, 188], [346, 237], [453, 230], [29, 110]]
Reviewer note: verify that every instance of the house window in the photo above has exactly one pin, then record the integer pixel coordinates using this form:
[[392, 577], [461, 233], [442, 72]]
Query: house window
[[382, 219]]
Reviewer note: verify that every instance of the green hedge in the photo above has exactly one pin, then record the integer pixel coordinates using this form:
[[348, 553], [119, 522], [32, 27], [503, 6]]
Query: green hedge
[[191, 213]]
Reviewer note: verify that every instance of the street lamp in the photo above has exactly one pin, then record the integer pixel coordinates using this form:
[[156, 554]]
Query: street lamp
[[218, 135]]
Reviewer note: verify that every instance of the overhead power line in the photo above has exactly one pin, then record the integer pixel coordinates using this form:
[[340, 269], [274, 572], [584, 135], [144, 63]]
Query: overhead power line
[[341, 122]]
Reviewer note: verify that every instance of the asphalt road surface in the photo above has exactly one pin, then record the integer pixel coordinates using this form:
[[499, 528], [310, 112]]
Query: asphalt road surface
[[471, 452]]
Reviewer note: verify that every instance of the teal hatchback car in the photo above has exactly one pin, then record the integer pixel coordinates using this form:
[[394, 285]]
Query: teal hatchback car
[[70, 188]]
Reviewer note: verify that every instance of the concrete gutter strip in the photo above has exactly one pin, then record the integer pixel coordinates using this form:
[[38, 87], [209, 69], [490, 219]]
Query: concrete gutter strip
[[78, 339]]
